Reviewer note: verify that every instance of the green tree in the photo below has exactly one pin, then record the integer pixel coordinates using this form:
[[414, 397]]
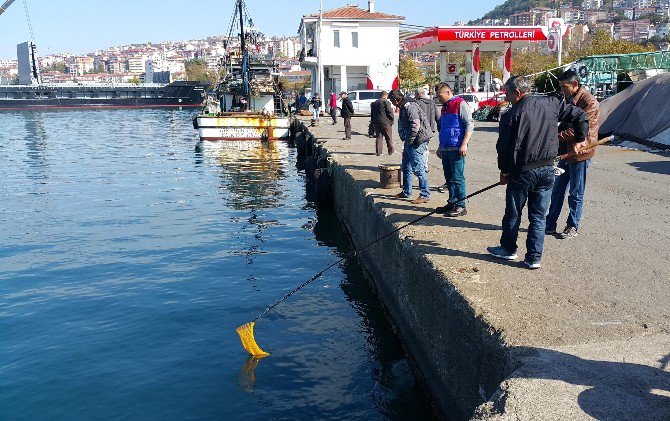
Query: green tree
[[410, 76], [196, 70], [135, 79]]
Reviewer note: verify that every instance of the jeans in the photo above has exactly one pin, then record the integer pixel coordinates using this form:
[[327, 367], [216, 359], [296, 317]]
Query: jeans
[[333, 114], [532, 186], [575, 176], [454, 174], [412, 163], [315, 114]]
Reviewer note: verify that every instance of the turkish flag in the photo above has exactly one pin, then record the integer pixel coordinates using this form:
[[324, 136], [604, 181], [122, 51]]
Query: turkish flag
[[508, 59], [476, 59]]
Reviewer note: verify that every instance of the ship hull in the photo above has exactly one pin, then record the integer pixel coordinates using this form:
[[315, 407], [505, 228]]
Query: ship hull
[[177, 94], [242, 126]]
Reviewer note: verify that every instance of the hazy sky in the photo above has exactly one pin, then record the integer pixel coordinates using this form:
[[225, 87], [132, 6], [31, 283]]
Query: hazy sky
[[80, 26]]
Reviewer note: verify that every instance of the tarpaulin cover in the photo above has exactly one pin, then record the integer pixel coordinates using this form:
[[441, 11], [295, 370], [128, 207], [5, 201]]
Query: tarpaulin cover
[[640, 111]]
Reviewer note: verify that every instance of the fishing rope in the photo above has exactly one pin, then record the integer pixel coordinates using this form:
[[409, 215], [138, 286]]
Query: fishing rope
[[352, 253]]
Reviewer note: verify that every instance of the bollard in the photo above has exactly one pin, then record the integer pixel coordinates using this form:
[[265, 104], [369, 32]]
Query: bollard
[[389, 176]]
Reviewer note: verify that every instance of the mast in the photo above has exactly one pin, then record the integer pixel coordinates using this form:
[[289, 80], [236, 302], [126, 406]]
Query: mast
[[245, 58]]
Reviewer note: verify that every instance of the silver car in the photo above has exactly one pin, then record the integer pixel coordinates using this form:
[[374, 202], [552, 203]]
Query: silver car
[[361, 100]]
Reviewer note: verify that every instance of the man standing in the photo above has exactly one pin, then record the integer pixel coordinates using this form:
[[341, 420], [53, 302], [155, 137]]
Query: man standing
[[333, 106], [429, 108], [382, 115], [527, 145], [347, 112], [456, 128], [575, 167], [414, 131], [316, 107]]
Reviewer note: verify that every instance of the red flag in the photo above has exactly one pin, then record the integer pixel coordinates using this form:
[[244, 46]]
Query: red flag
[[508, 59], [476, 59]]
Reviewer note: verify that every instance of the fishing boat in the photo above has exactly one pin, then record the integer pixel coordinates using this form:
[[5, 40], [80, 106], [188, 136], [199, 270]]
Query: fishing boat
[[247, 102]]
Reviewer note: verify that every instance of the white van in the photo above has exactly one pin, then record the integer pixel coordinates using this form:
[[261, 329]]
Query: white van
[[361, 100]]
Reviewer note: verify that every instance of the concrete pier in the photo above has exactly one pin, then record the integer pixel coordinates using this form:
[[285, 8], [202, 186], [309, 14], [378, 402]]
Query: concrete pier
[[587, 336]]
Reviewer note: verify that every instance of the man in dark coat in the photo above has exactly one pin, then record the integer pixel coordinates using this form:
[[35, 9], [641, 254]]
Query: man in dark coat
[[527, 146], [382, 117], [346, 113]]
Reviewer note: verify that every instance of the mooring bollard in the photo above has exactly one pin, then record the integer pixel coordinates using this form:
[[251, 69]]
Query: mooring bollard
[[389, 176]]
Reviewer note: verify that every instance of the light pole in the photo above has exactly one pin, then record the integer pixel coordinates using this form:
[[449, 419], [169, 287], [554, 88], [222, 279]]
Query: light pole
[[319, 84]]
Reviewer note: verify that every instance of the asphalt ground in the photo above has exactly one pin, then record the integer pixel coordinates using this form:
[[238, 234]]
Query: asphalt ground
[[592, 326]]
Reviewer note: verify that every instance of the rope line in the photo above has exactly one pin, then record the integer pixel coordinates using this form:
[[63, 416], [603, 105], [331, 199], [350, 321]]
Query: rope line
[[352, 253]]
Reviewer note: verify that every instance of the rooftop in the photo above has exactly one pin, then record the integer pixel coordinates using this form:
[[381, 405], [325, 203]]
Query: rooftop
[[353, 12]]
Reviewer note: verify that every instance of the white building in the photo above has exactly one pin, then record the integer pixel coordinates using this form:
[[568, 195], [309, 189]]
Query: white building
[[592, 4], [351, 48], [137, 65]]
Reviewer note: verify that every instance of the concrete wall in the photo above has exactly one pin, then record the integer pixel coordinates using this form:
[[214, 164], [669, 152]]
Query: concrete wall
[[461, 359]]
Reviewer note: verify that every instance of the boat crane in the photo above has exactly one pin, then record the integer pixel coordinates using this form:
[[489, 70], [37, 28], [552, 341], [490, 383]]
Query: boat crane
[[5, 5]]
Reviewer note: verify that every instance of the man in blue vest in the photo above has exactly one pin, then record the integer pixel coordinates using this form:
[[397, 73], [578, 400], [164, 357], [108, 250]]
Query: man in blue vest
[[456, 128]]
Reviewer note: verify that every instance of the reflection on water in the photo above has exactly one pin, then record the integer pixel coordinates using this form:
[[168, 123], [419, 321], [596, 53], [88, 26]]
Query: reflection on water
[[246, 378], [250, 171]]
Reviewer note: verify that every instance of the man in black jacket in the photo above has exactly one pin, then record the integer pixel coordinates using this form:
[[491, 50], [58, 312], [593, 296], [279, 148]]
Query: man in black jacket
[[382, 116], [346, 113], [527, 145]]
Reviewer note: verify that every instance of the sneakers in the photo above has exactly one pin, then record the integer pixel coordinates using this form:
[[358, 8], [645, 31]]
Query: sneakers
[[402, 195], [456, 212], [501, 253], [532, 265], [443, 188], [568, 232], [446, 208], [420, 200]]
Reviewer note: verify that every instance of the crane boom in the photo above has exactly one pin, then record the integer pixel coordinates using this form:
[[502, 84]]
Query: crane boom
[[5, 5]]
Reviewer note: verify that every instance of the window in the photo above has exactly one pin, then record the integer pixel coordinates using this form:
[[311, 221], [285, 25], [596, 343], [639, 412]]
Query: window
[[369, 95], [354, 39], [337, 38]]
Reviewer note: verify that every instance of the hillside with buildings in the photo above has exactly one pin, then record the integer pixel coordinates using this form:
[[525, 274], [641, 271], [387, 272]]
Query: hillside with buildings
[[153, 62], [638, 21]]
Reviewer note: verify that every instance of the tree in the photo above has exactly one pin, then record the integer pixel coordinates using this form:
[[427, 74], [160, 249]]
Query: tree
[[196, 70], [135, 79], [410, 76]]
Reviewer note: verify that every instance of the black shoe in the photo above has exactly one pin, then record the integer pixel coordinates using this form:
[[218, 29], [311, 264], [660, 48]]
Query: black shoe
[[446, 208], [443, 188], [550, 231], [457, 211], [568, 232]]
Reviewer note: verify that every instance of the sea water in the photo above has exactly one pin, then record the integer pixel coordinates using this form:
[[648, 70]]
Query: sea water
[[129, 255]]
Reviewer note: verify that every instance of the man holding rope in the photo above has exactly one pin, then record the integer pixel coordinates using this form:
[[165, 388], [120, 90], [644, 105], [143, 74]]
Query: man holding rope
[[527, 145]]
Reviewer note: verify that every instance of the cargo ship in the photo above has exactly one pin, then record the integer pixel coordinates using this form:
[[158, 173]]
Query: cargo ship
[[120, 95]]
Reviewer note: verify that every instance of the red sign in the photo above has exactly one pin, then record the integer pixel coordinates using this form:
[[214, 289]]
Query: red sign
[[452, 68], [503, 33]]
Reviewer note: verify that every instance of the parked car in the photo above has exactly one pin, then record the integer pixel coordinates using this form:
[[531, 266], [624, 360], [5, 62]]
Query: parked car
[[493, 101], [472, 100], [361, 100]]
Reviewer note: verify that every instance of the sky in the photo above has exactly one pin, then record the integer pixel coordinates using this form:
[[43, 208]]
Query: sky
[[82, 26]]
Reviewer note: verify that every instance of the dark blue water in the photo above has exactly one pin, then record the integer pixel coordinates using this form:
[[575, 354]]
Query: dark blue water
[[128, 257]]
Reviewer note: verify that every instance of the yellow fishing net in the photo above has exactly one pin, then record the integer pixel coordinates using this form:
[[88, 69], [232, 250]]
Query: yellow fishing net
[[246, 332]]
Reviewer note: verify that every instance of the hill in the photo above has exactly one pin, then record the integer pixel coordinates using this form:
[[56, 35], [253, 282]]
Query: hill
[[512, 6]]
